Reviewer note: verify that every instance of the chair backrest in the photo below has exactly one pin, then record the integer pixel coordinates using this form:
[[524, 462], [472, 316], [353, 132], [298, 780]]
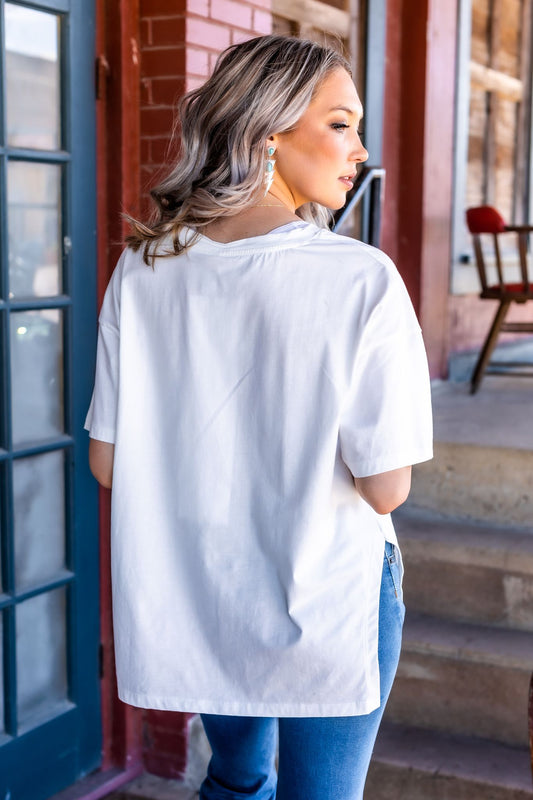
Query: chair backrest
[[486, 219]]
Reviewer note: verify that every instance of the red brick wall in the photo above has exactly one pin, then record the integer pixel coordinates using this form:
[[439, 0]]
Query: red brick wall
[[180, 41], [165, 743]]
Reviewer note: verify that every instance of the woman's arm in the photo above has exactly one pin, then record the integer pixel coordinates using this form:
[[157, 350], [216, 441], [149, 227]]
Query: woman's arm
[[386, 490], [101, 456]]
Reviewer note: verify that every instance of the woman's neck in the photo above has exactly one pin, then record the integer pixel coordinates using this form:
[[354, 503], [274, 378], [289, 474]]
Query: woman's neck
[[257, 220]]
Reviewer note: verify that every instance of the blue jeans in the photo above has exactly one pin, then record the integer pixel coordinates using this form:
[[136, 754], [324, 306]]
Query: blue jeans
[[320, 758]]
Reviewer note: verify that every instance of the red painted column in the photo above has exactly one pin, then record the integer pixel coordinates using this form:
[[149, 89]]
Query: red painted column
[[418, 157], [117, 120], [404, 143], [436, 253], [392, 129]]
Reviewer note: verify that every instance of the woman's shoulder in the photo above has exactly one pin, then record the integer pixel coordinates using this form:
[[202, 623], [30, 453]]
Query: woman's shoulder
[[355, 247], [353, 257]]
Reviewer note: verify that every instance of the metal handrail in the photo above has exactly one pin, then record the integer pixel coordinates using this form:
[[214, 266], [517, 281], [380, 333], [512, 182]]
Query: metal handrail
[[369, 183]]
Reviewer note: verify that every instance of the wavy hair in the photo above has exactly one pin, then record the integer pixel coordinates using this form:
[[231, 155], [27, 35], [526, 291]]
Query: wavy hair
[[258, 87]]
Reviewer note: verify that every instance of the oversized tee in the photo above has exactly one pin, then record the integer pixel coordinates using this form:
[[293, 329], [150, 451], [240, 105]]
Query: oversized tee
[[244, 385]]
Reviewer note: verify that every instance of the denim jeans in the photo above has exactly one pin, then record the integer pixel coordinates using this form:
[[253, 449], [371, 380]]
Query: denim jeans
[[320, 758]]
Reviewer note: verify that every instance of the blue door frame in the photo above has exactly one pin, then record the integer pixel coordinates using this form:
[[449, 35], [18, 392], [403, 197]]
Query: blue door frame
[[39, 759]]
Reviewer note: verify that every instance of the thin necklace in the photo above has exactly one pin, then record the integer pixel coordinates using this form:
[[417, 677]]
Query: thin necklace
[[271, 205]]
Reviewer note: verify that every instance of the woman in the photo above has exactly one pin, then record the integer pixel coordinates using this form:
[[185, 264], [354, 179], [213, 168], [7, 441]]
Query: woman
[[261, 394]]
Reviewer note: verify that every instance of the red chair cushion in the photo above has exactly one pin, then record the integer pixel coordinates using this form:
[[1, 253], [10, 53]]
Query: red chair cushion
[[496, 291], [511, 287], [519, 288], [484, 219]]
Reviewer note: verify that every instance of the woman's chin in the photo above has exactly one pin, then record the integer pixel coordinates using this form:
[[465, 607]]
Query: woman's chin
[[339, 203], [332, 202]]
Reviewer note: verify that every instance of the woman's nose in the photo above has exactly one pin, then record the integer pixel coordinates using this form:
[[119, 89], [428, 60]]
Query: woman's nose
[[361, 153]]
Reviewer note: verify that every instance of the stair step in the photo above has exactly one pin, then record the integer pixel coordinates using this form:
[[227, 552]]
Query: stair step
[[476, 482], [465, 571], [415, 764], [463, 678]]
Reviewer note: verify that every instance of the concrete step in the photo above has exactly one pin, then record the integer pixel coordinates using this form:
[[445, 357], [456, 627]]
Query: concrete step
[[483, 450], [413, 764], [467, 572], [476, 482], [463, 679]]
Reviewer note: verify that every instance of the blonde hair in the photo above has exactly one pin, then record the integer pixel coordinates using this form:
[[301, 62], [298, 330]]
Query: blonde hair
[[258, 87]]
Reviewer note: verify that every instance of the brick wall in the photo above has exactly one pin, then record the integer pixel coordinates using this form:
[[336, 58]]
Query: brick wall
[[165, 736], [180, 41]]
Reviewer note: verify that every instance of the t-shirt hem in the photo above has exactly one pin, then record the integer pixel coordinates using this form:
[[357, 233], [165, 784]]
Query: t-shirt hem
[[249, 709]]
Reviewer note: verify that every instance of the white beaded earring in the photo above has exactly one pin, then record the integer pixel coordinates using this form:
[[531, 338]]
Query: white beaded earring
[[269, 166]]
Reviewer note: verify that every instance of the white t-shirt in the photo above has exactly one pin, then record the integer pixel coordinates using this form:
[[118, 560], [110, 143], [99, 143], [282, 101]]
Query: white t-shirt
[[243, 385]]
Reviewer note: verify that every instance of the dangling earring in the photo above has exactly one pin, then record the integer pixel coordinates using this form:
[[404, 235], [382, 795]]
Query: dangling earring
[[269, 166]]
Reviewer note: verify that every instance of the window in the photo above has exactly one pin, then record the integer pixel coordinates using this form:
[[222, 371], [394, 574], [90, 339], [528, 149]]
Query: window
[[493, 165]]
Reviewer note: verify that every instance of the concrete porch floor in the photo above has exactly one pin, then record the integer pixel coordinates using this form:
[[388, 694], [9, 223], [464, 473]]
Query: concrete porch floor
[[150, 787], [499, 415]]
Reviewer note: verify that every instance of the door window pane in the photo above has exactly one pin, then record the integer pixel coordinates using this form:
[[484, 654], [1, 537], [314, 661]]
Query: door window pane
[[34, 227], [32, 78], [39, 501], [37, 374], [41, 656]]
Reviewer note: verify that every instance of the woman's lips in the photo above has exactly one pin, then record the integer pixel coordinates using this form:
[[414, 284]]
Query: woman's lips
[[347, 182]]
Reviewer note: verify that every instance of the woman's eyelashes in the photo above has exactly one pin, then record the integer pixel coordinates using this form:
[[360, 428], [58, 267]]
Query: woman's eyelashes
[[341, 126]]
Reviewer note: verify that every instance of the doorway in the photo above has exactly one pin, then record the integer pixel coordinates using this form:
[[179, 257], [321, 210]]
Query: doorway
[[49, 682]]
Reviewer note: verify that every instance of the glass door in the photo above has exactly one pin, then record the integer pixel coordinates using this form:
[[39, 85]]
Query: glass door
[[49, 693]]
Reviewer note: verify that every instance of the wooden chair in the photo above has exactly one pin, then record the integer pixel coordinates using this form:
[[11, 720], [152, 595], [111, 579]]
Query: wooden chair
[[486, 219]]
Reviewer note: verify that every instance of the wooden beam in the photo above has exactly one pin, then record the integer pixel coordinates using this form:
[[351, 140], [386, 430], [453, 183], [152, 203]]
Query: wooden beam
[[314, 13], [492, 80], [494, 32], [522, 157], [492, 100], [354, 27]]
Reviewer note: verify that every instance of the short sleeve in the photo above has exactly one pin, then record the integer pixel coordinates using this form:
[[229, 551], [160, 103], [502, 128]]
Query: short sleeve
[[102, 415], [386, 420]]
